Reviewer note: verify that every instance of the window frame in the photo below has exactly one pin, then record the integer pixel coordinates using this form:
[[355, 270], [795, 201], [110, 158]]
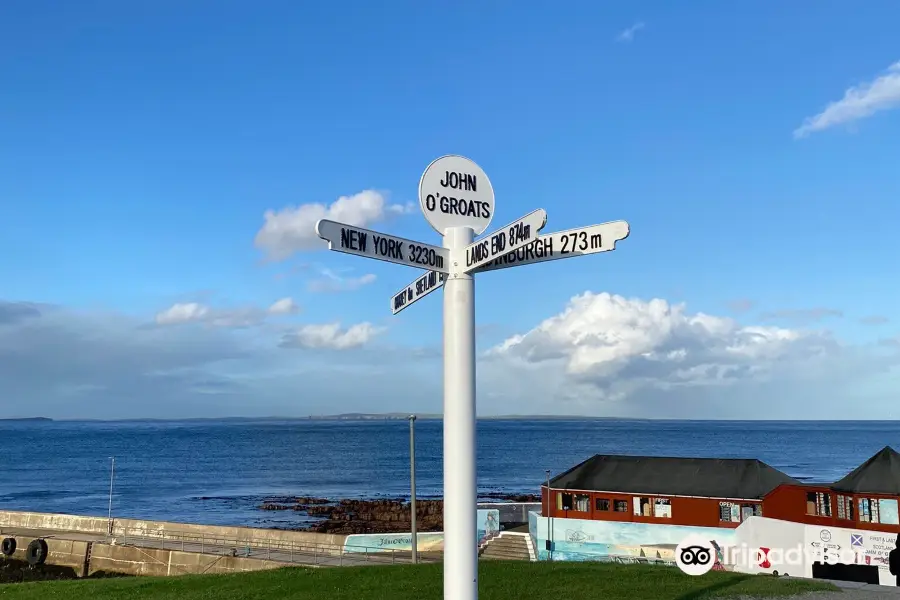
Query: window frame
[[581, 498], [664, 502]]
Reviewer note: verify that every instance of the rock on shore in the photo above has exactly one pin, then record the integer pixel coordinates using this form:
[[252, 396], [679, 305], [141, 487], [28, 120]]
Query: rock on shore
[[372, 516]]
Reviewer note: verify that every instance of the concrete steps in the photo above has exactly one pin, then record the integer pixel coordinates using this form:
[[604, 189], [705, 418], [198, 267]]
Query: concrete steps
[[508, 546]]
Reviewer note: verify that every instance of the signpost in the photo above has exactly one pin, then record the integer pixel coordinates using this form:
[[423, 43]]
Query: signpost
[[458, 201], [455, 192], [419, 288], [508, 239], [563, 244], [363, 242]]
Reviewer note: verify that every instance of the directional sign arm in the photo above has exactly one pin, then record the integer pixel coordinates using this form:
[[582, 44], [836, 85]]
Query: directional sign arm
[[562, 244], [505, 240], [373, 244], [419, 288]]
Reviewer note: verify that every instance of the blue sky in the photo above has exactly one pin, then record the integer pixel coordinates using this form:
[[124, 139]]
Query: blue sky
[[752, 149]]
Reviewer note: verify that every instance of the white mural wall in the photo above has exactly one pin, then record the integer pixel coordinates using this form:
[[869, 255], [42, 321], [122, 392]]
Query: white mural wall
[[792, 548], [580, 540], [488, 525], [758, 545]]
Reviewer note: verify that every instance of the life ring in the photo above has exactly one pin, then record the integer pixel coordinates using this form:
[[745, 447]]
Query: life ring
[[8, 546], [36, 553]]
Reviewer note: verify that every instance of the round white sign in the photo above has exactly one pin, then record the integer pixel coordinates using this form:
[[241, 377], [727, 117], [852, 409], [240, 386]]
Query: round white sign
[[455, 192]]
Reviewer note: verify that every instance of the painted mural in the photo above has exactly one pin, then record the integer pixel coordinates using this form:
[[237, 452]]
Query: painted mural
[[580, 540], [488, 526]]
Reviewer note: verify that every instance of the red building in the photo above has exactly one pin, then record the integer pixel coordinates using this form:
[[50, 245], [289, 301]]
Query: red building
[[719, 492]]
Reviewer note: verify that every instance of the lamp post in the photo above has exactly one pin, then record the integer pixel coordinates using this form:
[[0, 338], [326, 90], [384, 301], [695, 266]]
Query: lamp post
[[112, 474], [549, 544], [414, 541]]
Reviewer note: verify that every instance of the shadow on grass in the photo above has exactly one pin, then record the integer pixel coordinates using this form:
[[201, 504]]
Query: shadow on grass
[[707, 591], [19, 571]]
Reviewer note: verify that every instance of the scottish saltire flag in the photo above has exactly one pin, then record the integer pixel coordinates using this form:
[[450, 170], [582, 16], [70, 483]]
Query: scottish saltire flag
[[856, 539]]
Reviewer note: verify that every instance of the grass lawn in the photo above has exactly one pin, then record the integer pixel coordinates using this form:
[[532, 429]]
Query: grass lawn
[[497, 581]]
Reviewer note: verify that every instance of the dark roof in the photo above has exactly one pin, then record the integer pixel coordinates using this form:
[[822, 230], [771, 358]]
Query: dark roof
[[878, 475], [706, 477]]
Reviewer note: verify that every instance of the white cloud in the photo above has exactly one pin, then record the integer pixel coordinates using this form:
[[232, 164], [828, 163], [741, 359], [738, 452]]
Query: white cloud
[[603, 355], [331, 281], [611, 349], [182, 313], [859, 102], [193, 312], [331, 336], [285, 306], [69, 364], [293, 228], [628, 34]]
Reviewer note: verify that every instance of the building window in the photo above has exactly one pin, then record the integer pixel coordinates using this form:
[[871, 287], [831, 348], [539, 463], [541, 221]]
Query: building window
[[581, 502], [642, 507], [868, 510], [662, 508], [750, 510], [620, 506], [729, 512], [845, 507], [563, 501], [818, 504], [603, 504]]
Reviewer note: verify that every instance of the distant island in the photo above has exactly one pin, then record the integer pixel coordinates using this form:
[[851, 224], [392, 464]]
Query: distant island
[[394, 416], [404, 416]]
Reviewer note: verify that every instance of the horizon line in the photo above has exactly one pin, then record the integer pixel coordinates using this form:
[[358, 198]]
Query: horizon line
[[432, 417]]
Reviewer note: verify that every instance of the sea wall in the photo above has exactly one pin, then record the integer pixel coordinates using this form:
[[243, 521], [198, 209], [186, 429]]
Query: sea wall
[[130, 560], [62, 553], [328, 543]]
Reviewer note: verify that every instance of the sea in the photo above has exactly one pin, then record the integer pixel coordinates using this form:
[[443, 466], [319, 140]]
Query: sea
[[219, 472]]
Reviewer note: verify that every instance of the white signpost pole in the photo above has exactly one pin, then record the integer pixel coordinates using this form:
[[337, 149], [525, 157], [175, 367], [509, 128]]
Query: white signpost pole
[[458, 201], [460, 495]]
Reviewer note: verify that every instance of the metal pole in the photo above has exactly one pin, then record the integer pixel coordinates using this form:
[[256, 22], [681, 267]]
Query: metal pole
[[414, 540], [112, 474], [549, 531], [460, 501]]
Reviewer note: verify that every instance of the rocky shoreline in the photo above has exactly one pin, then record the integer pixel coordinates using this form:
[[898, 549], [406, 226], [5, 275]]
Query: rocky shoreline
[[349, 516]]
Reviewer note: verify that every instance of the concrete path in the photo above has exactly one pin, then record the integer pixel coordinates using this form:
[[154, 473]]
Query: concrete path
[[310, 557], [848, 590]]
